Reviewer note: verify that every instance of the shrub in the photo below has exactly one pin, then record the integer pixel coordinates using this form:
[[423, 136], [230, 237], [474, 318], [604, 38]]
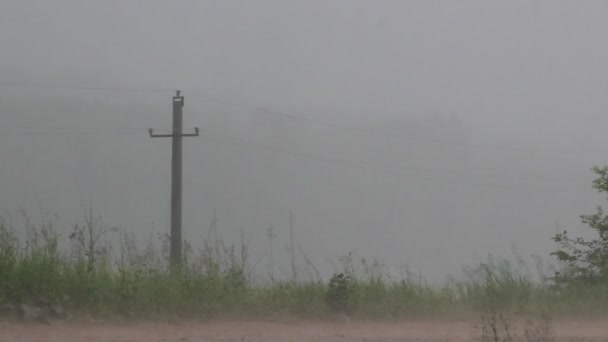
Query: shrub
[[339, 293], [586, 260]]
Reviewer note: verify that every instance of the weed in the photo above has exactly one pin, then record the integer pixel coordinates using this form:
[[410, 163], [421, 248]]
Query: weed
[[92, 278], [504, 325]]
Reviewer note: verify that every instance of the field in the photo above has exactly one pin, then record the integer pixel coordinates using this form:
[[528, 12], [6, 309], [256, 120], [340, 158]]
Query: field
[[89, 293]]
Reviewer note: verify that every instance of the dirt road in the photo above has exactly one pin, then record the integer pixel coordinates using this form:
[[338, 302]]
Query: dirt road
[[571, 330]]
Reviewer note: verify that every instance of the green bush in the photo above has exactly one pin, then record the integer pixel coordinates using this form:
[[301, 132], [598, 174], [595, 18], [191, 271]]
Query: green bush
[[586, 261], [339, 293]]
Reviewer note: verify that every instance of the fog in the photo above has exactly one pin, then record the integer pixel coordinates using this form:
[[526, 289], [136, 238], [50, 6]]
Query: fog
[[421, 133]]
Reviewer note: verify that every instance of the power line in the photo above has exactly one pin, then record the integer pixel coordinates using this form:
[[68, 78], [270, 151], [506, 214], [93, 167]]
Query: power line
[[65, 131], [38, 133], [59, 131], [409, 159], [370, 167], [72, 128], [76, 87], [395, 172], [360, 130], [68, 131], [368, 131]]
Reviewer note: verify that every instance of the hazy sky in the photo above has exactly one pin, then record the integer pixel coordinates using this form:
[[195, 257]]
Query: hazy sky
[[526, 81]]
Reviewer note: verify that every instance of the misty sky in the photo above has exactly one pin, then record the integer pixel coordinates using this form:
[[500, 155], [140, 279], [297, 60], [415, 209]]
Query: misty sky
[[427, 133]]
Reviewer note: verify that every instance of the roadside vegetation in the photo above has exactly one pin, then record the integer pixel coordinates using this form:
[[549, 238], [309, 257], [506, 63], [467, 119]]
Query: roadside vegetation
[[97, 278]]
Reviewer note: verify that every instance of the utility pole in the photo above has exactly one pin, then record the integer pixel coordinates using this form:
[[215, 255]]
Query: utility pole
[[271, 235], [212, 240], [176, 178], [292, 252]]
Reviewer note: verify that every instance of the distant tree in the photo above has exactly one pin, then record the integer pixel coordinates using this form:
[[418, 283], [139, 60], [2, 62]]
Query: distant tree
[[586, 260]]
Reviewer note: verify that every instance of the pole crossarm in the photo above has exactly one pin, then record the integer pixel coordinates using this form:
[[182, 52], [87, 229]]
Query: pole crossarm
[[152, 135]]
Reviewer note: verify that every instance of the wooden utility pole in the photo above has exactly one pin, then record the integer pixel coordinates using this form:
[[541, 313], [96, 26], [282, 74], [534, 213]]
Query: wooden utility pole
[[292, 252], [176, 178]]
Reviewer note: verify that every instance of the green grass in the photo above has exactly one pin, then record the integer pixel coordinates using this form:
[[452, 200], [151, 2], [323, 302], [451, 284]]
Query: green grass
[[216, 283]]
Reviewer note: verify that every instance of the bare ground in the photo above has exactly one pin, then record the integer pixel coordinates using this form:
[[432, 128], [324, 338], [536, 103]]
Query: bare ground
[[427, 330]]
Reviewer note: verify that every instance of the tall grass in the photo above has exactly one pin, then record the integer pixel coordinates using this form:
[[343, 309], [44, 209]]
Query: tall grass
[[216, 282]]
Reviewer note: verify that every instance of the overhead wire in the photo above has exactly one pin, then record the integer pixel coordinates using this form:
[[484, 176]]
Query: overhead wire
[[394, 171], [124, 130], [371, 167], [286, 115], [68, 130], [79, 87], [368, 131]]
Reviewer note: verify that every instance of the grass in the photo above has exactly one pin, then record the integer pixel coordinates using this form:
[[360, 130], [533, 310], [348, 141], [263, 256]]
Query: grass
[[93, 279]]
